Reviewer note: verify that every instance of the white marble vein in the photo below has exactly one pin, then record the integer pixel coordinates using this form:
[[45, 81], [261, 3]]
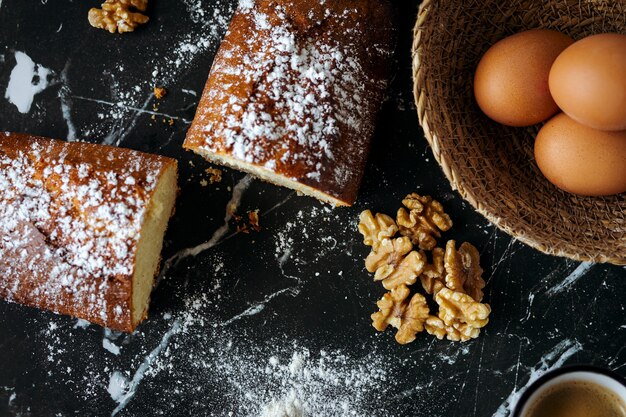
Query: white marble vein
[[108, 341], [553, 359], [257, 307], [26, 81], [231, 208], [121, 130], [142, 110], [168, 141], [281, 259], [118, 384], [66, 105], [480, 364], [81, 324], [506, 255], [552, 284], [110, 346], [571, 279], [130, 388]]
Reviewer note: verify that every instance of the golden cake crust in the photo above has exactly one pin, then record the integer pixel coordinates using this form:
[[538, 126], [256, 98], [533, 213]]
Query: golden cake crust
[[70, 220], [294, 92]]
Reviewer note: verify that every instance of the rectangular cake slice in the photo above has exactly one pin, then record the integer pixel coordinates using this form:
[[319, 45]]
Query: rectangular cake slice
[[294, 92], [82, 226]]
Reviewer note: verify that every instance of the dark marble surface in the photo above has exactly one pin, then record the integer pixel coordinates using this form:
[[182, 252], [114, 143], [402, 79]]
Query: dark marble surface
[[253, 317]]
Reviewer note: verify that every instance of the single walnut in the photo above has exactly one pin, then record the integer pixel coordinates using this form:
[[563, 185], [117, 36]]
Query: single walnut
[[395, 263], [457, 332], [456, 307], [117, 15], [413, 319], [463, 272], [410, 224], [406, 316], [416, 202], [424, 221], [377, 228], [433, 276], [390, 309]]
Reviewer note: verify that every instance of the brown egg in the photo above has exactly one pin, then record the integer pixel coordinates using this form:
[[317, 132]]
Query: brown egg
[[511, 80], [588, 81], [581, 160]]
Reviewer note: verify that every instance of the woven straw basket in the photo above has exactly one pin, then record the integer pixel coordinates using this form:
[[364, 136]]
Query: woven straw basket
[[491, 165]]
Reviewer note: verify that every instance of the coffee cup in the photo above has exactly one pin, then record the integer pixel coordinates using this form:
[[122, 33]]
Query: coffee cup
[[574, 391]]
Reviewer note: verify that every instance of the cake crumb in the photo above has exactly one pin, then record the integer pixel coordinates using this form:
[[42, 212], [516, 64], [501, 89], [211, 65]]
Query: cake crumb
[[215, 175], [253, 219], [160, 92]]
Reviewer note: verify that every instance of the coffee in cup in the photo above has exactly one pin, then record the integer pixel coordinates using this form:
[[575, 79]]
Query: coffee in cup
[[577, 398], [574, 391]]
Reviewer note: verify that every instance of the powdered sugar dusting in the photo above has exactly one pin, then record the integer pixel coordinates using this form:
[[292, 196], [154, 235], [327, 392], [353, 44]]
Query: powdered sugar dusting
[[308, 384], [299, 78], [72, 224], [212, 25], [291, 406], [276, 378], [122, 390], [287, 93]]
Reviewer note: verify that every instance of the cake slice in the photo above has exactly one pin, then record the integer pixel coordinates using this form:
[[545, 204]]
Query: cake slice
[[82, 226], [294, 92]]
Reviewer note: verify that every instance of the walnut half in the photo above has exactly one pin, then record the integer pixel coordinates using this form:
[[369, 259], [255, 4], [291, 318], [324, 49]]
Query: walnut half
[[395, 263], [118, 15], [463, 271], [458, 332], [460, 317], [424, 221], [376, 228], [433, 276], [406, 316]]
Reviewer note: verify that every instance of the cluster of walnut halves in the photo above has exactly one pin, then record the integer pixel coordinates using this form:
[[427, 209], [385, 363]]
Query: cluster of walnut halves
[[452, 276], [118, 15]]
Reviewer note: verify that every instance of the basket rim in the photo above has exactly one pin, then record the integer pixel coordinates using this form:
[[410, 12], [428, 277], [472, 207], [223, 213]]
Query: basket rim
[[457, 182]]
